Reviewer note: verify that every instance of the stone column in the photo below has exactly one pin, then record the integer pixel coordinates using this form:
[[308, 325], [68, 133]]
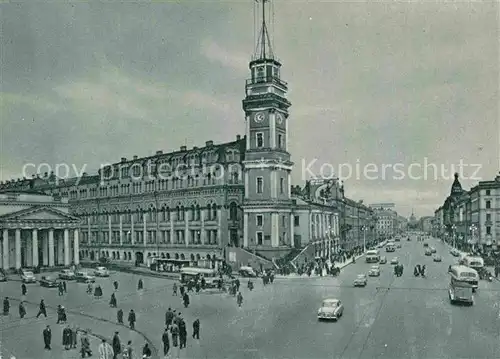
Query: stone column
[[172, 232], [28, 250], [245, 230], [76, 247], [186, 228], [274, 230], [51, 248], [292, 230], [219, 230], [289, 183], [132, 230], [247, 188], [203, 234], [34, 247], [272, 130], [5, 249], [66, 247], [18, 248], [121, 230], [274, 189]]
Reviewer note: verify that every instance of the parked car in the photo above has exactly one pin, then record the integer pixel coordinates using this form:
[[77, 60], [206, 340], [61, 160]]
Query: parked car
[[360, 281], [455, 253], [49, 282], [383, 260], [101, 272], [28, 277], [433, 250], [395, 260], [67, 274], [247, 272], [437, 258], [374, 271], [331, 309], [426, 244], [428, 252], [84, 277]]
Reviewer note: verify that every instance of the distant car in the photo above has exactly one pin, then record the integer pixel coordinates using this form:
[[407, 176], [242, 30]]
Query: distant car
[[101, 272], [433, 250], [49, 282], [398, 239], [360, 281], [28, 277], [426, 244], [374, 271], [331, 309], [428, 252], [84, 277], [247, 272], [383, 260], [395, 260], [67, 274], [455, 253], [437, 258], [3, 276]]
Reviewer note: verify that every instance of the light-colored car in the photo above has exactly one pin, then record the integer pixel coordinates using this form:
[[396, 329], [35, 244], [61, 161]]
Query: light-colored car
[[383, 260], [67, 274], [101, 272], [428, 252], [455, 253], [433, 250], [374, 271], [437, 258], [360, 280], [49, 282], [395, 260], [28, 277], [331, 309], [84, 277]]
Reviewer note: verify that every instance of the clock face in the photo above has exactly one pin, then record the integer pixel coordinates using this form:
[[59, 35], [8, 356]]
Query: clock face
[[259, 117], [279, 118]]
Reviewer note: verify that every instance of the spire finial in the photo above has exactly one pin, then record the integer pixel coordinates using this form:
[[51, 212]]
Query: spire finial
[[263, 49]]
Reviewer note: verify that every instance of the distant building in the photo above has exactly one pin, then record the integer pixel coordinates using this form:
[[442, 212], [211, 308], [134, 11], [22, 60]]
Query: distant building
[[386, 205], [425, 224]]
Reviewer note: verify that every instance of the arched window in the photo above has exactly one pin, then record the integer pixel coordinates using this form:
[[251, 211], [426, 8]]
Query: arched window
[[233, 211], [209, 212], [235, 177], [183, 256], [198, 212], [183, 212], [193, 212], [176, 255], [178, 209], [214, 211], [163, 255], [192, 256], [168, 255]]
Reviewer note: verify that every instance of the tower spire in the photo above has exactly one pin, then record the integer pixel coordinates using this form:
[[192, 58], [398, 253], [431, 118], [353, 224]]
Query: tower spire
[[263, 49]]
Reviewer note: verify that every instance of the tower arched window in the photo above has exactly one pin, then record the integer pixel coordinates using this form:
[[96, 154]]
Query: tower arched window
[[233, 211], [178, 214], [214, 211], [183, 213], [193, 212], [198, 212]]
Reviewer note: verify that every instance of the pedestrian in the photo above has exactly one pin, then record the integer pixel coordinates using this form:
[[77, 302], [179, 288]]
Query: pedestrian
[[105, 350], [185, 299], [119, 316], [47, 337], [115, 284], [117, 346], [182, 334], [239, 299], [181, 290], [59, 314], [196, 329], [74, 336], [89, 288], [66, 338], [203, 283], [169, 316], [131, 319], [112, 301], [42, 309], [198, 287], [24, 290], [85, 342], [174, 289], [64, 286], [140, 285], [128, 352], [60, 289], [166, 342], [237, 283], [146, 352], [22, 310], [174, 330], [6, 306]]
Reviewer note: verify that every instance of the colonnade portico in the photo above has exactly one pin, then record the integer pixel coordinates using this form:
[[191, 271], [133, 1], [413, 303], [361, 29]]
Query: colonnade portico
[[38, 236]]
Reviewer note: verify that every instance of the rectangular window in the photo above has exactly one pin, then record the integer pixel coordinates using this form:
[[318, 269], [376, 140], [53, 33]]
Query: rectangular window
[[260, 184], [280, 141], [488, 192], [488, 204], [259, 139], [296, 221], [488, 217], [488, 230], [260, 239], [282, 185], [259, 220]]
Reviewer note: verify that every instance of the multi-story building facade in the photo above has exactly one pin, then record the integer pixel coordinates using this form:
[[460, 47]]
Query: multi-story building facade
[[438, 225], [386, 225], [426, 223]]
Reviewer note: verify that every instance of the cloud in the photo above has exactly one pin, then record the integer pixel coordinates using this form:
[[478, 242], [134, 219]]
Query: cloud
[[216, 53]]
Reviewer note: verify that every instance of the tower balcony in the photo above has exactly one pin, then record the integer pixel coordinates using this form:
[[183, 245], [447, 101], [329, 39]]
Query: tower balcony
[[266, 80]]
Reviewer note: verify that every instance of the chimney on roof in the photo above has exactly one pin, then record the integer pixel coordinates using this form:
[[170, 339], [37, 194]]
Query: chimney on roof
[[135, 157], [209, 143], [124, 159], [238, 137], [159, 153], [183, 148]]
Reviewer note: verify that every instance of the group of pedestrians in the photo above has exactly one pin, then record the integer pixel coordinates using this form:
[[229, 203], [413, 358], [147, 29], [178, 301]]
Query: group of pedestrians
[[174, 338]]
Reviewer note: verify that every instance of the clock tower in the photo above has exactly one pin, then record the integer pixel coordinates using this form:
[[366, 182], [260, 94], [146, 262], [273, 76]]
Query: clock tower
[[268, 223]]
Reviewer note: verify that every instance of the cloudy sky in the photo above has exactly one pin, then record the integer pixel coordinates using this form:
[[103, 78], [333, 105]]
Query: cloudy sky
[[371, 84]]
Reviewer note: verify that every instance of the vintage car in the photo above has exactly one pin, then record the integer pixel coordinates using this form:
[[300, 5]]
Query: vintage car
[[360, 281], [66, 274], [101, 272], [374, 271], [49, 282], [395, 260], [455, 253], [433, 250], [331, 309], [28, 277], [247, 272], [428, 252], [383, 260], [437, 258], [426, 244], [84, 277], [3, 276]]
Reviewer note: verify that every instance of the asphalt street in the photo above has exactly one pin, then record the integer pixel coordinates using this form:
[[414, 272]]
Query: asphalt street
[[391, 317]]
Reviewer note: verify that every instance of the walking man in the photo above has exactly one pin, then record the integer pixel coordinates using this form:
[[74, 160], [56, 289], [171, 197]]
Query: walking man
[[131, 319], [42, 309], [117, 346], [196, 329], [119, 316], [105, 350], [22, 310], [85, 342], [47, 337], [166, 342]]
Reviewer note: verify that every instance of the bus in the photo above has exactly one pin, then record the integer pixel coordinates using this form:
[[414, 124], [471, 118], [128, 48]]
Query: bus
[[168, 265], [372, 256], [476, 263], [390, 247], [462, 284], [188, 274]]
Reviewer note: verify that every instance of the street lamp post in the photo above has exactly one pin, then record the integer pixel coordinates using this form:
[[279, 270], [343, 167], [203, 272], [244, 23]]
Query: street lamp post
[[453, 234], [472, 229]]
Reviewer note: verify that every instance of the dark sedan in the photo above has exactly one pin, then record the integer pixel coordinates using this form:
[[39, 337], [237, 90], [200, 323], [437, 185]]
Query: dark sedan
[[49, 282]]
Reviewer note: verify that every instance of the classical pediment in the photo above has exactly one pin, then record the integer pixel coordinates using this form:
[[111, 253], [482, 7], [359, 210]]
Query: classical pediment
[[38, 213]]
